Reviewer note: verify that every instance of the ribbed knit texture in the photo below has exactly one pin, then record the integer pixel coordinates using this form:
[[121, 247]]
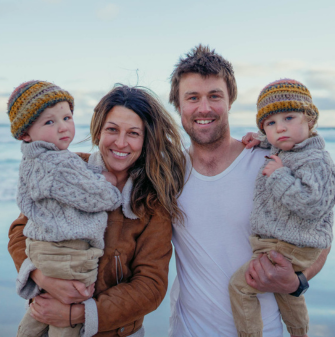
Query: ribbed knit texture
[[284, 95], [62, 198], [295, 203], [29, 100]]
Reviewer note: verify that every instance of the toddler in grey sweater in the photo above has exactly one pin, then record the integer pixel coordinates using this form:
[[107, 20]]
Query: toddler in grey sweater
[[64, 198], [293, 203]]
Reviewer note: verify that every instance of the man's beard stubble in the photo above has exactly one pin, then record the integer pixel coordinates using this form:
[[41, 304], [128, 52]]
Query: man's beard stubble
[[210, 141]]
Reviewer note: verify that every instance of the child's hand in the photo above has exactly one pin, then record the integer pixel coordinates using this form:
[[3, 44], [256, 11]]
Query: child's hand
[[249, 140], [273, 165], [110, 177]]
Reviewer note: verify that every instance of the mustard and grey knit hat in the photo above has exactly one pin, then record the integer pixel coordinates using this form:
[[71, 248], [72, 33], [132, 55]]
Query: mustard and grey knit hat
[[29, 100], [283, 96]]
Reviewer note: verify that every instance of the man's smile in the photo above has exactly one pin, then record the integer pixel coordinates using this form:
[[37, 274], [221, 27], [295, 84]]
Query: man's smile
[[204, 121]]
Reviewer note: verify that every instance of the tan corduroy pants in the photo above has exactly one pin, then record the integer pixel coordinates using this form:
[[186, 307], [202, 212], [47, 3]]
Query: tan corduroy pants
[[68, 260], [245, 304]]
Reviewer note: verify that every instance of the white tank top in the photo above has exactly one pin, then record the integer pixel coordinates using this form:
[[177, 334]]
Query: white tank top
[[211, 246]]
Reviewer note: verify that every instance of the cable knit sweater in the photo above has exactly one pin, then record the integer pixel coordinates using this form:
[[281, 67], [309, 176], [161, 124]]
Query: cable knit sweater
[[295, 203], [63, 197]]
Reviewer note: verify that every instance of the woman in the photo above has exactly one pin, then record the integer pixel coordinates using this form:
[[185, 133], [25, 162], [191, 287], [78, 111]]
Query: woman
[[139, 143]]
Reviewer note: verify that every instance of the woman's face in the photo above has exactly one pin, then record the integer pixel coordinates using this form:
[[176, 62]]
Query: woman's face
[[121, 139]]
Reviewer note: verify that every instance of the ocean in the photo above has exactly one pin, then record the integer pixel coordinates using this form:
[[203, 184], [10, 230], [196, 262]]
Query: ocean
[[320, 297]]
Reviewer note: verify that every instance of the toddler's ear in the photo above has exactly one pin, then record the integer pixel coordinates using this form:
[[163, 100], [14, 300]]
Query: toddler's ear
[[311, 124], [26, 138]]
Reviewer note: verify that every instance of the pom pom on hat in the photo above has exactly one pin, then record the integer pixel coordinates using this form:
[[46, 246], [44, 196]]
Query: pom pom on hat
[[283, 95], [29, 100]]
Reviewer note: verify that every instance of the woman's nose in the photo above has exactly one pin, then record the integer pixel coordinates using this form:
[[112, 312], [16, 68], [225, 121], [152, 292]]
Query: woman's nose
[[121, 141]]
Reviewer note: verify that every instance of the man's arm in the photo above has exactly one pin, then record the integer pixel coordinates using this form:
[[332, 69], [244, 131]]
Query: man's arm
[[279, 277]]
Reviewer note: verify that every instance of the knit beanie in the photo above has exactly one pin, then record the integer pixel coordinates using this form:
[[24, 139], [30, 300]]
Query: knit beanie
[[29, 100], [284, 95]]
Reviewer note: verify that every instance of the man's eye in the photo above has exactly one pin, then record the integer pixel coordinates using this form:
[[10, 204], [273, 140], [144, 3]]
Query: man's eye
[[193, 98]]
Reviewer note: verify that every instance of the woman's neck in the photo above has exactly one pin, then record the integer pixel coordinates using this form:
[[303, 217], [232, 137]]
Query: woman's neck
[[121, 179]]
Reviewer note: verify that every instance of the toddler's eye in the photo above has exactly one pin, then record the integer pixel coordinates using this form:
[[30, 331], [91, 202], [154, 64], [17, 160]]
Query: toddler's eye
[[48, 122], [67, 118], [271, 123], [289, 118]]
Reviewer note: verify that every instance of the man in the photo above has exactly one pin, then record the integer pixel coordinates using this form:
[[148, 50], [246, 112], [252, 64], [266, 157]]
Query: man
[[217, 201]]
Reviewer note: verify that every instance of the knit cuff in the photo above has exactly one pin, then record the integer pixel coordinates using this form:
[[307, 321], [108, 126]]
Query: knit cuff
[[90, 327], [25, 286], [279, 181]]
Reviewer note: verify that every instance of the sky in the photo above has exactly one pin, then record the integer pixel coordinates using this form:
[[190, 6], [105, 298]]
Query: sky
[[86, 46]]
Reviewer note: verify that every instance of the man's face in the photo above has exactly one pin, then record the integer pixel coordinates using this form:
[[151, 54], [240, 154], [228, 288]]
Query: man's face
[[204, 107]]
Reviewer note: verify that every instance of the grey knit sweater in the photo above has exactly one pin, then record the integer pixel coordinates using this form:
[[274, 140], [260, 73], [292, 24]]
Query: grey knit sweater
[[295, 203], [63, 197]]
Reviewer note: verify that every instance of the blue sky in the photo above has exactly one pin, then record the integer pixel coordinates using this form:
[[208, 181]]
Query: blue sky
[[87, 46]]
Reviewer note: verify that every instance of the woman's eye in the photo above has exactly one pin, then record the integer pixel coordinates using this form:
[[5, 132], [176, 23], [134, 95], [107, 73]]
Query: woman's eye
[[48, 122], [133, 133], [111, 129]]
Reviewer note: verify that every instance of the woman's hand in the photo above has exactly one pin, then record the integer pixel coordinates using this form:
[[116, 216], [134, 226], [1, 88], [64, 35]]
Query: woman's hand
[[250, 140], [65, 291], [50, 311]]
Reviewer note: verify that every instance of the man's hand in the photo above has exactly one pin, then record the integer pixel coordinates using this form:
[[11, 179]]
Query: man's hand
[[272, 165], [250, 140], [50, 311], [268, 277], [65, 291]]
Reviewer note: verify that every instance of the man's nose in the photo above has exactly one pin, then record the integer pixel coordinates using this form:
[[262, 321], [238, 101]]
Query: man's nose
[[204, 105]]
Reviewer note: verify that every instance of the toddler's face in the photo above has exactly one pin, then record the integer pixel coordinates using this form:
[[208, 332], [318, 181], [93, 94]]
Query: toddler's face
[[285, 129], [54, 125]]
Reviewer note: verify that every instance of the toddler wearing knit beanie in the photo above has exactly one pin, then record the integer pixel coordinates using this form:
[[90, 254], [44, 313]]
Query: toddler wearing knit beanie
[[64, 198], [293, 201]]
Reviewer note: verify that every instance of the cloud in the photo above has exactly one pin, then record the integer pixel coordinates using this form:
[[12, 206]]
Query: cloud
[[319, 79], [108, 12]]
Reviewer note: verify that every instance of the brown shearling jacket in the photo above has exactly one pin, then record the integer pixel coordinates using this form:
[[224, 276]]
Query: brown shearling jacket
[[133, 272]]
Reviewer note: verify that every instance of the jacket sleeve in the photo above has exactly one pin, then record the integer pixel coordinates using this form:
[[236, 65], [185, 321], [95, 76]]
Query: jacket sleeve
[[307, 192], [17, 241], [73, 183], [149, 282]]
